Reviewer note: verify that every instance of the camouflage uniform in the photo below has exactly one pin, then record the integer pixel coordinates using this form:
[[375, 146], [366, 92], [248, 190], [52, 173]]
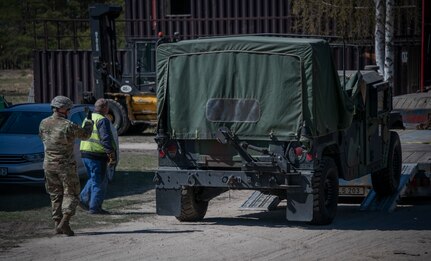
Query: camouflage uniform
[[61, 180]]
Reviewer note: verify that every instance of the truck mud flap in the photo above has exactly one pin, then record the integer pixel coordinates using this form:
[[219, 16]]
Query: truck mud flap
[[168, 202], [299, 207], [300, 201]]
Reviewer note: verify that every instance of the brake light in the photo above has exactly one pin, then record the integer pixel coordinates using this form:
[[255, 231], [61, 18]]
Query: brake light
[[298, 151], [162, 153], [172, 150]]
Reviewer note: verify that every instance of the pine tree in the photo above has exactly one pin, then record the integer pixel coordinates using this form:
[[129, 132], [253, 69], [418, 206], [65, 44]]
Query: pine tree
[[26, 25]]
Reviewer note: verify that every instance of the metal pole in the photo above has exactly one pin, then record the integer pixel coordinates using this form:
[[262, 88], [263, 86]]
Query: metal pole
[[358, 53], [423, 48], [344, 63], [154, 14]]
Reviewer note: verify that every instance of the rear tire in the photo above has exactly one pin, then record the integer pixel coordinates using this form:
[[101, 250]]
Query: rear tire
[[386, 181], [192, 209], [325, 192], [118, 116]]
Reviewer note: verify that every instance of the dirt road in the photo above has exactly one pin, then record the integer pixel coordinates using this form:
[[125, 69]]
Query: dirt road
[[227, 233], [230, 234]]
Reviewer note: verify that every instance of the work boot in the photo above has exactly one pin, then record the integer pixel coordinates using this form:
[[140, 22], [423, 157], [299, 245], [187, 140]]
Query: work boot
[[57, 230], [64, 226]]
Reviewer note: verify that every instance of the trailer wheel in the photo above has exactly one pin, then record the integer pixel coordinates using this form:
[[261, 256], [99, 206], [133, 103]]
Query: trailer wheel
[[192, 209], [386, 181], [325, 192], [118, 116]]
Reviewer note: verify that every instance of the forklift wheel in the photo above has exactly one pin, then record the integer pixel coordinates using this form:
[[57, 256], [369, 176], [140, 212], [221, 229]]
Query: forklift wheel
[[118, 116]]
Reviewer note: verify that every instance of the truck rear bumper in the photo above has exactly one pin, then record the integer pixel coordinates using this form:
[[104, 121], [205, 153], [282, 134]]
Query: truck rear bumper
[[296, 186], [253, 180]]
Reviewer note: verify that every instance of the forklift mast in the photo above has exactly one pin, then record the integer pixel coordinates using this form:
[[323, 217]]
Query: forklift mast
[[107, 71]]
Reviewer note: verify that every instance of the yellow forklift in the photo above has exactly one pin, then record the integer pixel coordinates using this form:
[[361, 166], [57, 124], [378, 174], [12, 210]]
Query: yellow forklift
[[130, 90]]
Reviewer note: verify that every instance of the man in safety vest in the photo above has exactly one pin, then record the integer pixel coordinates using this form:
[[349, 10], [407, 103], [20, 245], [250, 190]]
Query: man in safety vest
[[97, 153]]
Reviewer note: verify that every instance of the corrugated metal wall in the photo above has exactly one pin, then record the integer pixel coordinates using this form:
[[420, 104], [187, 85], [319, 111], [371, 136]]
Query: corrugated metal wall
[[67, 72], [71, 72], [145, 18], [407, 69], [208, 17], [63, 72]]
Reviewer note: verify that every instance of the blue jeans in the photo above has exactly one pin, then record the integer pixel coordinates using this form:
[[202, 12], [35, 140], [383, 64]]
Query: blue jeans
[[94, 191]]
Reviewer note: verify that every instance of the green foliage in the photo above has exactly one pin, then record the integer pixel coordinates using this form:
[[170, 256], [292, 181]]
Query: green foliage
[[26, 25], [348, 19], [353, 19]]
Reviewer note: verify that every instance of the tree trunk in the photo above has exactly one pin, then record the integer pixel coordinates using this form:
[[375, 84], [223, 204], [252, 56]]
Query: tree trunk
[[380, 35], [389, 39]]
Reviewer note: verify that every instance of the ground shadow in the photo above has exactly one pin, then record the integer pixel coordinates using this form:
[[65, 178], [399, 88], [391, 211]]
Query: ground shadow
[[130, 213], [127, 183], [23, 197], [20, 197], [349, 217], [142, 231]]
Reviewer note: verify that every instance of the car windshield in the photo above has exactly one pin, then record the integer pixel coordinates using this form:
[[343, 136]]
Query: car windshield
[[21, 122]]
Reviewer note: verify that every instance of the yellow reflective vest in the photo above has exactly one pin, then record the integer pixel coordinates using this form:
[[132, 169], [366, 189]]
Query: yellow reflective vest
[[93, 143]]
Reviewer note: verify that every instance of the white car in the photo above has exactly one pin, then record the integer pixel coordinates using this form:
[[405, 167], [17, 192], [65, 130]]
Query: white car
[[21, 149]]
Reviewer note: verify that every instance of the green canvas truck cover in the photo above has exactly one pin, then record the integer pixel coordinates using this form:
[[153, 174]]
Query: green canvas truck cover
[[258, 86]]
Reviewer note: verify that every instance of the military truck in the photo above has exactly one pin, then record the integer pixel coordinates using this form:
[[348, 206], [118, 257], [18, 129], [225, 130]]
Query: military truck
[[268, 114]]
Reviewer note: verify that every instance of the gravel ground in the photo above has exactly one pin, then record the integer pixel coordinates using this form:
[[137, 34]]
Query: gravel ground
[[228, 233]]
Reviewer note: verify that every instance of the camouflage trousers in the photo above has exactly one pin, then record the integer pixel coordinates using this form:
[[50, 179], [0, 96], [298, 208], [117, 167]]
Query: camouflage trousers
[[63, 188]]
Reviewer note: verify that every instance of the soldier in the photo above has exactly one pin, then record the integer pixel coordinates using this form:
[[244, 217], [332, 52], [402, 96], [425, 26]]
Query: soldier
[[61, 179]]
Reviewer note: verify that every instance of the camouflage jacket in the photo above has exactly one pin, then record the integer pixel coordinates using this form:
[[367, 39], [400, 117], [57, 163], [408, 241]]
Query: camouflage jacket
[[58, 135]]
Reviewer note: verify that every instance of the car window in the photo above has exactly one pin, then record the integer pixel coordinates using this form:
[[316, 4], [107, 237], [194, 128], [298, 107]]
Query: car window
[[78, 117], [19, 122]]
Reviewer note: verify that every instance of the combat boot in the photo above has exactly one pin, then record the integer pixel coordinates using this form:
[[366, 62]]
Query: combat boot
[[56, 223], [64, 226]]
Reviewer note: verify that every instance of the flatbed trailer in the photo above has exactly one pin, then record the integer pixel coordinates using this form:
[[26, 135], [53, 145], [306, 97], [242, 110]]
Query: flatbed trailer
[[415, 110], [415, 175], [416, 145]]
